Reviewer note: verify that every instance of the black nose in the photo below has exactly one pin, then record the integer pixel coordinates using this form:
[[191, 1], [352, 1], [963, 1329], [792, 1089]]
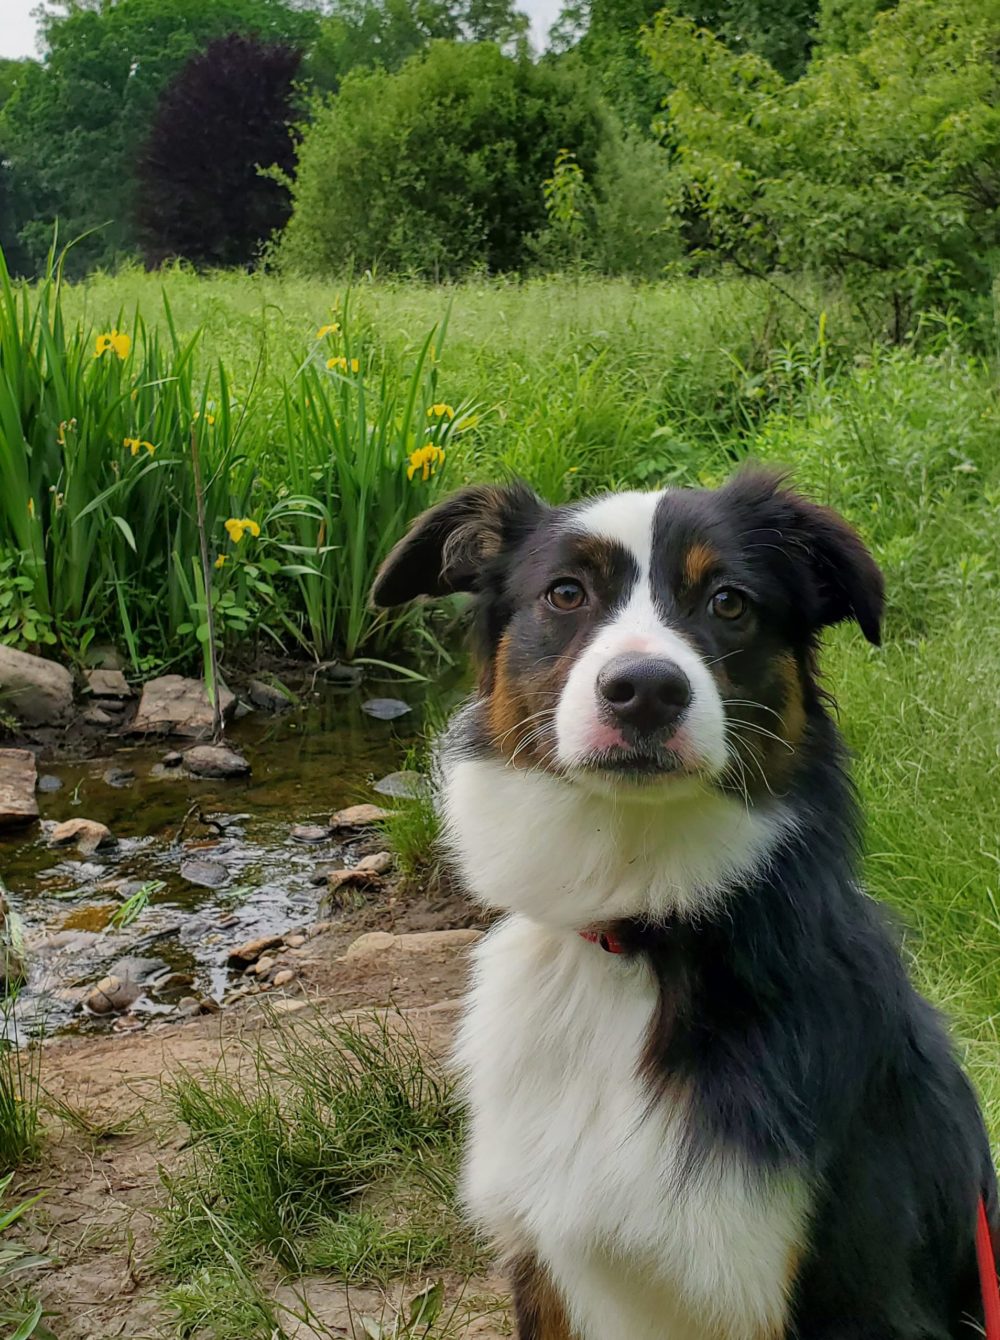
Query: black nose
[[648, 693]]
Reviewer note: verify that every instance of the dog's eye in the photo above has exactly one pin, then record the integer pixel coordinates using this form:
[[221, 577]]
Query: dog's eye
[[566, 594], [728, 604]]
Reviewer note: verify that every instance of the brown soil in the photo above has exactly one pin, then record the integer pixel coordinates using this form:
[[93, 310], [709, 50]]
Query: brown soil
[[101, 1188]]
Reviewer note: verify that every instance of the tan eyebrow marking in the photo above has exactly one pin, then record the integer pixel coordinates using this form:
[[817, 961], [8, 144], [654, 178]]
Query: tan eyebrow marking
[[699, 561]]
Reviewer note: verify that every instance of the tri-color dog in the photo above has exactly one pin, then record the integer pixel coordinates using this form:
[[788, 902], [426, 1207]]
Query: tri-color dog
[[706, 1102]]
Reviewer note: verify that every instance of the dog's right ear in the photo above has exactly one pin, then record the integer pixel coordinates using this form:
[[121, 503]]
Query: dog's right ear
[[446, 548]]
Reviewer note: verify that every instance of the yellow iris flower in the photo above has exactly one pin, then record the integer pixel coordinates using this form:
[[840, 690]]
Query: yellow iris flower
[[342, 364], [116, 340], [441, 411], [332, 328], [424, 461], [236, 526], [220, 562]]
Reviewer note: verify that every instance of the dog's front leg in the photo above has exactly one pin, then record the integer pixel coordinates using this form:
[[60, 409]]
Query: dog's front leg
[[540, 1311]]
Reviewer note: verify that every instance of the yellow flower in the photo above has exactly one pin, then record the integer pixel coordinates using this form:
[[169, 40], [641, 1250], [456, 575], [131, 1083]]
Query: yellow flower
[[67, 426], [116, 340], [341, 363], [440, 411], [149, 447], [235, 527], [332, 328], [133, 445], [425, 461], [31, 508], [220, 562], [209, 418]]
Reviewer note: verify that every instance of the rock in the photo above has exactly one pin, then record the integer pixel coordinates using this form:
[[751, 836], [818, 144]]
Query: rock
[[206, 874], [173, 759], [311, 832], [269, 697], [338, 673], [96, 716], [192, 1006], [18, 777], [215, 760], [405, 785], [87, 834], [262, 966], [171, 983], [354, 878], [376, 943], [173, 705], [76, 940], [37, 691], [13, 961], [108, 684], [111, 995], [288, 1005], [252, 950], [134, 968], [118, 777], [386, 709], [358, 816], [47, 782], [242, 710], [283, 977], [378, 863], [102, 656], [295, 941]]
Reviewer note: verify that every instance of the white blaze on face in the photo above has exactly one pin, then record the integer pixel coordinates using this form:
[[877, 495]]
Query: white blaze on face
[[627, 519]]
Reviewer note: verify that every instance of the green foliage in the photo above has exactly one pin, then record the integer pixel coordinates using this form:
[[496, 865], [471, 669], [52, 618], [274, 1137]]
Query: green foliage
[[333, 1147], [73, 123], [880, 169], [439, 168], [20, 1317], [844, 25]]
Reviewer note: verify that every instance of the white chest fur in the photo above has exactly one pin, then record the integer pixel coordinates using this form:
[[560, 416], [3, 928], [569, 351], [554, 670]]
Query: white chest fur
[[569, 1159]]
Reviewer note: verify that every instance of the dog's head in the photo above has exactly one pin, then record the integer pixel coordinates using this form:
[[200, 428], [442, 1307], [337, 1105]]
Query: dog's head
[[645, 638]]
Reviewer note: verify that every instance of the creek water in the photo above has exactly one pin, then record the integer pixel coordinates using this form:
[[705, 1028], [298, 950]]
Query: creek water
[[307, 762]]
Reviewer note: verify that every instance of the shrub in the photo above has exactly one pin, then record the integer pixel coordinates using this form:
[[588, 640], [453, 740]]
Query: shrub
[[202, 193], [437, 169], [881, 168]]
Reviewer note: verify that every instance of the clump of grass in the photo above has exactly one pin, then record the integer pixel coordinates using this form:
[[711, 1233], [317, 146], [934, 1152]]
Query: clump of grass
[[334, 1148], [413, 828], [20, 1316], [20, 1068]]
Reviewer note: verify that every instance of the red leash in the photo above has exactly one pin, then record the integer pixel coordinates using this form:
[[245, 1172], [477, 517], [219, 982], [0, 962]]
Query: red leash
[[987, 1274]]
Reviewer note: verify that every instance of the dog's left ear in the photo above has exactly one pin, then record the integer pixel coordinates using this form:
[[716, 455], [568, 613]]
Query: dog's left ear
[[846, 581]]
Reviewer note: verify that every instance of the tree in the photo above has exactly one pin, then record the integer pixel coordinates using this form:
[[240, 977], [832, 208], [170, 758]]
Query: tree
[[226, 116], [879, 168], [440, 167], [73, 125], [369, 34]]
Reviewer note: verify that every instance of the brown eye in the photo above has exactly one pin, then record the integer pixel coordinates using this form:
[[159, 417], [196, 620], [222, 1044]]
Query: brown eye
[[728, 603], [566, 595]]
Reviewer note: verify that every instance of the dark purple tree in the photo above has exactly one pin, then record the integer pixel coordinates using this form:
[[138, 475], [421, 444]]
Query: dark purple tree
[[227, 114]]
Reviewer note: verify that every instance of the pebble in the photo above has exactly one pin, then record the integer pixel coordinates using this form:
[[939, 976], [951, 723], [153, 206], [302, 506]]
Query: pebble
[[96, 716], [283, 977], [88, 835], [378, 863], [173, 759], [262, 966], [405, 785], [289, 1005], [311, 832], [119, 777], [252, 950], [295, 941], [47, 782], [358, 816], [206, 874], [111, 995], [337, 673], [216, 761], [268, 697], [386, 709]]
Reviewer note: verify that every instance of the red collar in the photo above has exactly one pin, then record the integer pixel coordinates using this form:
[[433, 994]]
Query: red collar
[[608, 941]]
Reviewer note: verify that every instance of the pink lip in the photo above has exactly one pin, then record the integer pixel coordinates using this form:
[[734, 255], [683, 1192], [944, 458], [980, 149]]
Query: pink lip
[[604, 737]]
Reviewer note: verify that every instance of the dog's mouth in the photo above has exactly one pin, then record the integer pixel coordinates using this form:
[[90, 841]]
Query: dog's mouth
[[637, 766]]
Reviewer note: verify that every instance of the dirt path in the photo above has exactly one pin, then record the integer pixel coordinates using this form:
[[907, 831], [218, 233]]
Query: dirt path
[[101, 1170]]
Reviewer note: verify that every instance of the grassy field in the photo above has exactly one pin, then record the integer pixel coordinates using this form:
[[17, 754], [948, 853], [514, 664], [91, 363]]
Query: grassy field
[[579, 386]]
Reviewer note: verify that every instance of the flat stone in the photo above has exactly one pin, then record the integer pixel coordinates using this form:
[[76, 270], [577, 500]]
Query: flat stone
[[174, 705], [119, 778], [376, 943], [262, 966], [283, 977], [102, 656], [96, 716], [358, 816], [18, 778], [269, 697], [353, 878], [289, 1005], [378, 863], [48, 782], [386, 709], [215, 760], [252, 950], [111, 995], [87, 835], [37, 691], [173, 759], [311, 832], [404, 785], [295, 941], [108, 684], [347, 675], [206, 874]]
